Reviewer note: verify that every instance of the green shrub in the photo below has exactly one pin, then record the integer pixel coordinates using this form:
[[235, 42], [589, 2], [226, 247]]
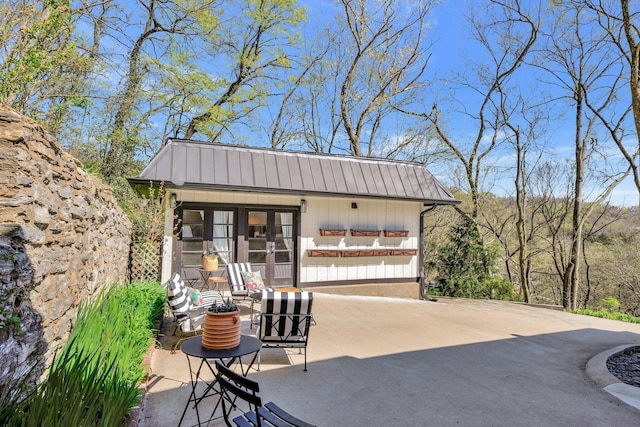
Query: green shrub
[[94, 380], [606, 314], [467, 267], [611, 303], [80, 391]]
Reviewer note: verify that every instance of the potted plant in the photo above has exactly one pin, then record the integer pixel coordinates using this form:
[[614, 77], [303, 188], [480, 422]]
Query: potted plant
[[221, 329], [209, 261]]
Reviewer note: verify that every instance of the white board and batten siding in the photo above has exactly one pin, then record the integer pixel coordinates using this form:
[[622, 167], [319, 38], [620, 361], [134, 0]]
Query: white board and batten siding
[[371, 214], [334, 213]]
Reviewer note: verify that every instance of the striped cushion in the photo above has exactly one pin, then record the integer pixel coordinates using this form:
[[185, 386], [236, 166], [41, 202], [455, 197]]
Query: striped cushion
[[211, 297], [189, 317], [280, 320], [236, 283], [179, 301]]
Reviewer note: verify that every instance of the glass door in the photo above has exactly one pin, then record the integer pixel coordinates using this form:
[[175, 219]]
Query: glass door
[[271, 245]]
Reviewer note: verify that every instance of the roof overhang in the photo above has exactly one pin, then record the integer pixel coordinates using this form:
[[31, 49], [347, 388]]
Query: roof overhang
[[193, 165]]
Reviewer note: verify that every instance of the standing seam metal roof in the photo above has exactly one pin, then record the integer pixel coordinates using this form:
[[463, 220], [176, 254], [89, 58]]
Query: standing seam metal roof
[[194, 164]]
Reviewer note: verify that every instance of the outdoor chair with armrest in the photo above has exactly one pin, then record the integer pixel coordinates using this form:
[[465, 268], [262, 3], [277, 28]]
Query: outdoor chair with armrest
[[189, 317], [236, 284], [238, 288], [285, 320], [234, 386]]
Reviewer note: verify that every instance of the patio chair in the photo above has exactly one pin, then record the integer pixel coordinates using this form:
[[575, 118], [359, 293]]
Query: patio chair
[[191, 276], [237, 286], [189, 317], [285, 320], [234, 386]]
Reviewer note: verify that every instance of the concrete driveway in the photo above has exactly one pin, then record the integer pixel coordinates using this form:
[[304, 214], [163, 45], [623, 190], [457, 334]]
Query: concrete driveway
[[375, 361]]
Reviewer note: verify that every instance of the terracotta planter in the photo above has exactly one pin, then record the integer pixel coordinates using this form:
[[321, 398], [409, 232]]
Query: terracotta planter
[[332, 232], [403, 252], [396, 233], [380, 252], [368, 252], [350, 253], [221, 330], [365, 233], [322, 253], [210, 262]]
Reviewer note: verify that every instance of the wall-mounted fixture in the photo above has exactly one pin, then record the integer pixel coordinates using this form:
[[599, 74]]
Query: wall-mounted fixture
[[354, 205], [303, 206], [173, 200]]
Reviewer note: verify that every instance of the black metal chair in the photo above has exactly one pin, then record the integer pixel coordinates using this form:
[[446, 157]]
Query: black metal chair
[[234, 386], [191, 276], [285, 321]]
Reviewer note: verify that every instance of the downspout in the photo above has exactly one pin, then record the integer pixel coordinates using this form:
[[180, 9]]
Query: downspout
[[423, 280]]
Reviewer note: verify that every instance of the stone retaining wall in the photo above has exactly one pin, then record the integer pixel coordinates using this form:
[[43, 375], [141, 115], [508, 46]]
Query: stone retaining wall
[[62, 239]]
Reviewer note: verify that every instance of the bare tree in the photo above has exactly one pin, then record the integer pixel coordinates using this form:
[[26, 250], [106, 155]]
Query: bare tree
[[619, 23], [384, 59], [516, 31], [288, 126], [579, 64], [524, 140]]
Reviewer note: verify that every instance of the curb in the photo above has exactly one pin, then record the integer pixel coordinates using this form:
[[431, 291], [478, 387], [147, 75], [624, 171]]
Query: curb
[[597, 369]]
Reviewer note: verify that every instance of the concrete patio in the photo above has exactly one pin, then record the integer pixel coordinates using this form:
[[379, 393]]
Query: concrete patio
[[379, 361]]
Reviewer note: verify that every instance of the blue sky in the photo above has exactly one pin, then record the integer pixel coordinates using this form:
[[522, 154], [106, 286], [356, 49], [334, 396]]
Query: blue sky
[[451, 50], [451, 53]]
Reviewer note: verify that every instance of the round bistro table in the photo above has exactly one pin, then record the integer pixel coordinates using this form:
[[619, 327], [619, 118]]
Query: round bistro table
[[192, 348]]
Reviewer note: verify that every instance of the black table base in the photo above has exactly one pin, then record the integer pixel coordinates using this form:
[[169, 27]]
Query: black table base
[[192, 348]]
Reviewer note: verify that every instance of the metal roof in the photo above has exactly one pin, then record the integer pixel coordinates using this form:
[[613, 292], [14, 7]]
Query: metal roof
[[193, 164]]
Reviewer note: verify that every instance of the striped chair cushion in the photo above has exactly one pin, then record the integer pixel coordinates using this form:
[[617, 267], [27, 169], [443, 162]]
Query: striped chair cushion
[[189, 317], [179, 301], [236, 284], [281, 319]]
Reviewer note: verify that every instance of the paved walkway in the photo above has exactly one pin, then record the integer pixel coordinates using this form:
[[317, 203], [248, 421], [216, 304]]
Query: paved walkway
[[396, 362]]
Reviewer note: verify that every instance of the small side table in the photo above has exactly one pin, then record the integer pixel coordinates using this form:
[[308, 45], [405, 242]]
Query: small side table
[[209, 277], [192, 348]]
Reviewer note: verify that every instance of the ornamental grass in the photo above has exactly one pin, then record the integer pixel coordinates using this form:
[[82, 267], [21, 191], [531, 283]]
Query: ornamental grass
[[94, 379]]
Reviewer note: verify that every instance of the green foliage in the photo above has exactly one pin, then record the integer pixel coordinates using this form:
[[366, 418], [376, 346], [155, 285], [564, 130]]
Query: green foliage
[[606, 314], [43, 68], [146, 212], [466, 267], [9, 322], [94, 380], [81, 390], [11, 299], [611, 303], [14, 397], [116, 327]]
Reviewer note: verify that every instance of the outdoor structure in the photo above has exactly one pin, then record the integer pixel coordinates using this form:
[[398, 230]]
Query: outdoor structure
[[301, 219]]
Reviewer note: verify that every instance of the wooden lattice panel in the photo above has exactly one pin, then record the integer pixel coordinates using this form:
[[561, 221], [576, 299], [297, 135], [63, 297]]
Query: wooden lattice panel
[[145, 261]]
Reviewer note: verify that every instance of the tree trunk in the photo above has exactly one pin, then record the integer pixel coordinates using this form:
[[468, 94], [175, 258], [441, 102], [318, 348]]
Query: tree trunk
[[572, 279]]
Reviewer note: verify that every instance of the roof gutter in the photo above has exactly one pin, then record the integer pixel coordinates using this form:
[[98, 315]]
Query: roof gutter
[[423, 280]]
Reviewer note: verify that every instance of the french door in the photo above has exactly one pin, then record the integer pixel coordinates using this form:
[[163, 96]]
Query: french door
[[271, 235]]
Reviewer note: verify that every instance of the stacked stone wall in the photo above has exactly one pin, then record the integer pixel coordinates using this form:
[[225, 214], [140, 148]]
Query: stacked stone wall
[[63, 238]]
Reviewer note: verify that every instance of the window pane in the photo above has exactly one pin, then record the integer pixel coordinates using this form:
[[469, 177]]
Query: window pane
[[257, 257], [257, 244], [192, 224], [191, 246], [190, 260], [223, 235]]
